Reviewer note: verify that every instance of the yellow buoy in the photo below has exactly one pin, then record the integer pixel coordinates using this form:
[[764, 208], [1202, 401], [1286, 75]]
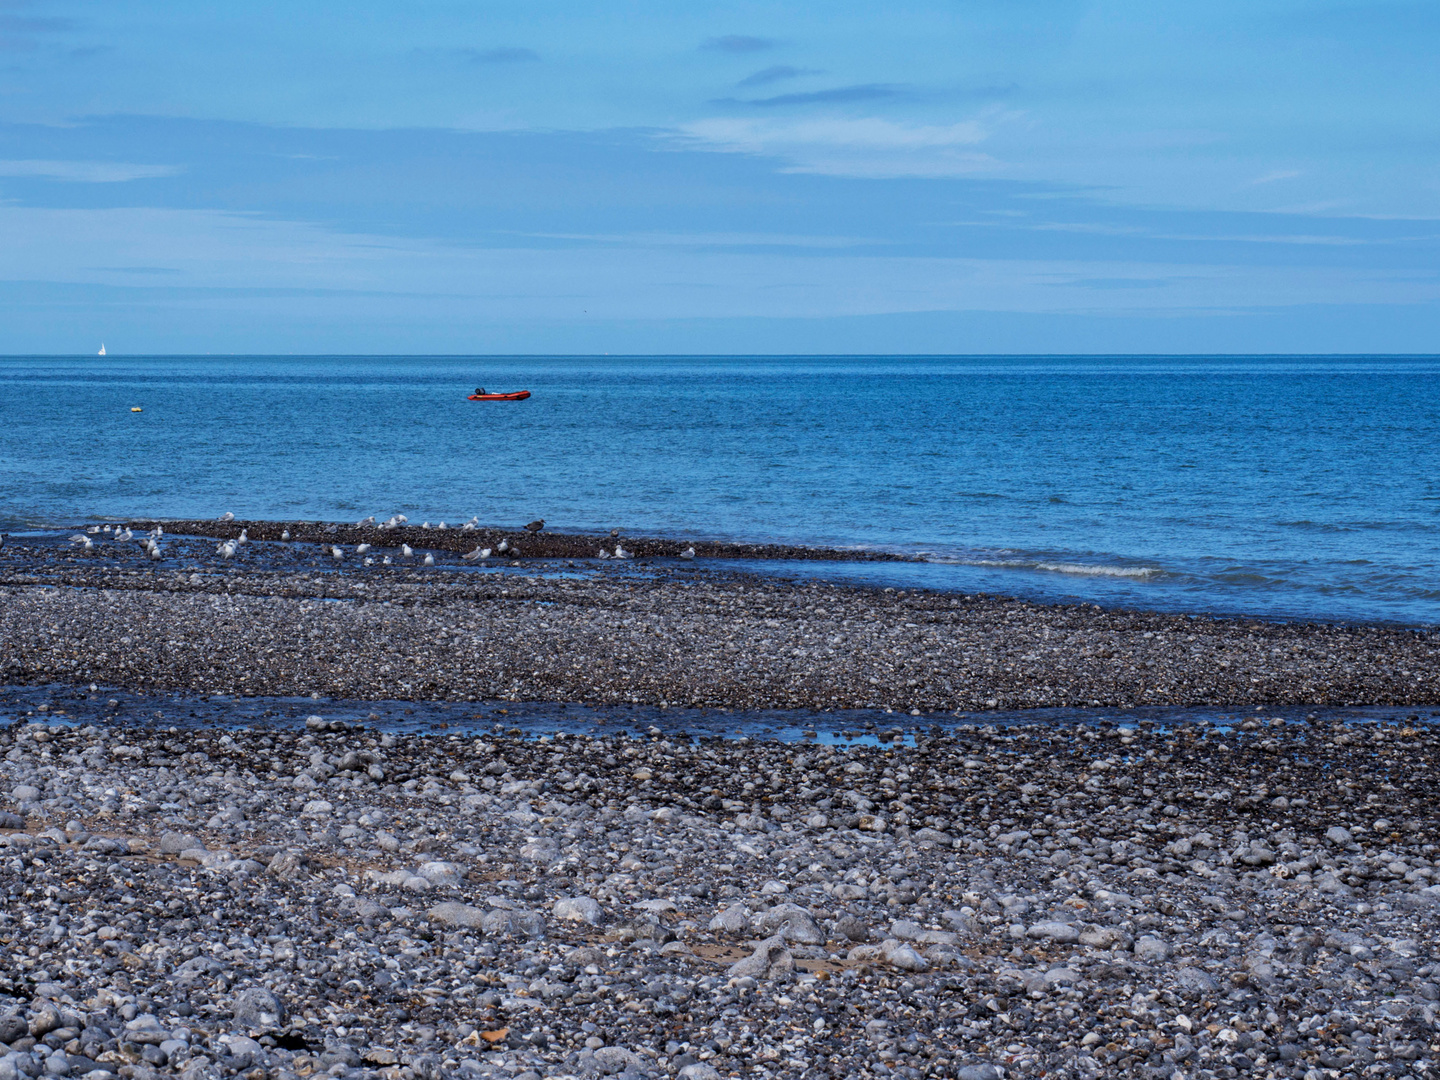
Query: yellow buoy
[[136, 409]]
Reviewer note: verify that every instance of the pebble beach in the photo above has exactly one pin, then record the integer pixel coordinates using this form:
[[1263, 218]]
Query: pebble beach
[[290, 899]]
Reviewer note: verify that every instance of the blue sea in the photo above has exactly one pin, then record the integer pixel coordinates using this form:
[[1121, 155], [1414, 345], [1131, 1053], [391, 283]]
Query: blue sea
[[1292, 487]]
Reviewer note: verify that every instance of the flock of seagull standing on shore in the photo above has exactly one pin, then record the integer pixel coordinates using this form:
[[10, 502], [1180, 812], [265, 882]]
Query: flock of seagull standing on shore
[[228, 549]]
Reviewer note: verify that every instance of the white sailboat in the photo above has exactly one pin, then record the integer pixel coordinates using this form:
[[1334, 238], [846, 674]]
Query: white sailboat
[[102, 348]]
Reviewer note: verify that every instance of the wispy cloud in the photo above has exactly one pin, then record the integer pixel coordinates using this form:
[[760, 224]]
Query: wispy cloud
[[1095, 228], [504, 54], [19, 32], [836, 96], [1272, 177], [774, 74], [738, 43], [866, 147], [710, 239], [86, 172]]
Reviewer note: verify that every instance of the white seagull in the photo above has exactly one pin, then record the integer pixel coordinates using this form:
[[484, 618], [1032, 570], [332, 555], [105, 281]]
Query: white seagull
[[621, 553], [83, 540], [406, 550], [227, 549], [366, 521], [285, 534], [360, 549], [227, 516], [503, 546], [478, 553], [337, 552], [244, 537], [429, 559], [688, 553]]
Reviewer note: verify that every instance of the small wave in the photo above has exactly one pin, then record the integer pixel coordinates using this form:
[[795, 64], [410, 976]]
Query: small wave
[[1082, 569], [1099, 571]]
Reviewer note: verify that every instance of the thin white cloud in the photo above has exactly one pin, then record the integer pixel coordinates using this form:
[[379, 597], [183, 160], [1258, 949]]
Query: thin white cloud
[[863, 147], [1104, 229], [715, 239], [85, 172], [234, 254], [1272, 177]]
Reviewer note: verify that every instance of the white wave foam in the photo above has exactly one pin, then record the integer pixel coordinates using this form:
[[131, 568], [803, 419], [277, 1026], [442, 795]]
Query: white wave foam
[[1082, 569], [1098, 571]]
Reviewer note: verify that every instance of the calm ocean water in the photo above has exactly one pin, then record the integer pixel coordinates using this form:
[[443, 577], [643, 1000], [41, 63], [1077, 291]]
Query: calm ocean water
[[1289, 486]]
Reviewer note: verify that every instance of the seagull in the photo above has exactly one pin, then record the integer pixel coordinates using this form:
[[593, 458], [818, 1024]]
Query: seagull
[[227, 549], [503, 547], [285, 534], [469, 526], [93, 529], [386, 560], [425, 524], [227, 516], [536, 525], [621, 553], [244, 537], [126, 535], [366, 521], [602, 554], [156, 532], [429, 559], [406, 550], [688, 553], [478, 553], [441, 525], [105, 529], [81, 538], [154, 551], [360, 549], [368, 561], [337, 552], [514, 552]]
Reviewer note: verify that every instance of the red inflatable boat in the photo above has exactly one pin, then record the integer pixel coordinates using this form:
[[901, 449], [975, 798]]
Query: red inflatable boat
[[518, 395]]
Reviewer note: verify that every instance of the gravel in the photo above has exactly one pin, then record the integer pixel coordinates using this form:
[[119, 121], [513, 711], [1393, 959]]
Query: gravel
[[1085, 902], [281, 619]]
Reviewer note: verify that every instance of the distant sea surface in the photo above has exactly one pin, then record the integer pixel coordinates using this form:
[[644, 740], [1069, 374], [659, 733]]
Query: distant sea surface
[[1304, 487]]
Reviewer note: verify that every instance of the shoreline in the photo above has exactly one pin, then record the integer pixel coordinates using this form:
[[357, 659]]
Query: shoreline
[[541, 545], [274, 622]]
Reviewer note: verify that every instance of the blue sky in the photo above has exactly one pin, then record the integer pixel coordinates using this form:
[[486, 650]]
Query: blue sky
[[1026, 175]]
